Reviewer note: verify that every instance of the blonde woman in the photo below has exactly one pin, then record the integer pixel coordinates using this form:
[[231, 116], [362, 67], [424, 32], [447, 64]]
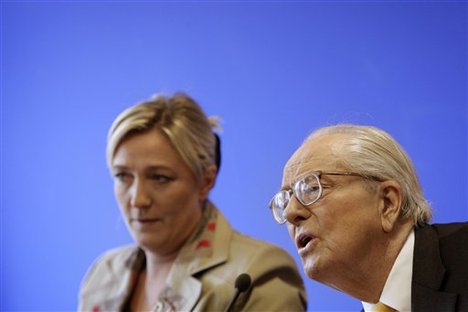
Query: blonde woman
[[165, 158]]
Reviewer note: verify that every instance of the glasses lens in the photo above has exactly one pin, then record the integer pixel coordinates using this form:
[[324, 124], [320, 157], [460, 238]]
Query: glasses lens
[[278, 204], [308, 189]]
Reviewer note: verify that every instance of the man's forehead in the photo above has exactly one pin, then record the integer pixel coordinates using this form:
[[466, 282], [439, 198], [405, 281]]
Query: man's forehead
[[297, 159], [300, 163], [317, 153]]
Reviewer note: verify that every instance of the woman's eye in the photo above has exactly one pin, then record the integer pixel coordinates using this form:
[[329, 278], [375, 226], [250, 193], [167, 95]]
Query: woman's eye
[[160, 178], [122, 176]]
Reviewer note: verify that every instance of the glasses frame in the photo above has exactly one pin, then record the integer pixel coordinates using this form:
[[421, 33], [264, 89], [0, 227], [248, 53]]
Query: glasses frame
[[317, 174]]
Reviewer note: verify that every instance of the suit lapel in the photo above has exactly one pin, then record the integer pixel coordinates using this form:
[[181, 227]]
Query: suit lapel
[[428, 274]]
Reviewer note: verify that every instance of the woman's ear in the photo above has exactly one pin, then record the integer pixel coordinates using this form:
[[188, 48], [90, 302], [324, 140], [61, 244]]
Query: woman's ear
[[390, 209], [208, 181]]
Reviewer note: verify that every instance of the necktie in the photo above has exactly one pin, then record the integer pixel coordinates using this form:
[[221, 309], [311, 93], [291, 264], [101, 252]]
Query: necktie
[[380, 307]]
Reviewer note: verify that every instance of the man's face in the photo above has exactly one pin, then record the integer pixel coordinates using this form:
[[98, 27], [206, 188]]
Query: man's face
[[335, 235]]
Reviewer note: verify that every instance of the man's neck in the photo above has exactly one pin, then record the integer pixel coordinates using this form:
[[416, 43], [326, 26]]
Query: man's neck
[[366, 282]]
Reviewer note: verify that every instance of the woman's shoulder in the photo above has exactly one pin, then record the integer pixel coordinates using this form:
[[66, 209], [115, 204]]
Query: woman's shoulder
[[255, 248], [273, 270], [117, 256], [242, 245], [113, 261], [108, 267]]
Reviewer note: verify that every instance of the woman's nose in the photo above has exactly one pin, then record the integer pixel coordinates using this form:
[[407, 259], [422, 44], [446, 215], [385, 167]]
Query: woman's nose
[[295, 212], [140, 197]]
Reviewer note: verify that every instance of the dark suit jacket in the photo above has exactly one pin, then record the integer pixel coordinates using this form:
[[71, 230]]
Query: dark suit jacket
[[440, 268]]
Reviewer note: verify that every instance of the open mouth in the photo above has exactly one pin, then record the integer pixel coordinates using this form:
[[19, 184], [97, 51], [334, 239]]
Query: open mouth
[[303, 240]]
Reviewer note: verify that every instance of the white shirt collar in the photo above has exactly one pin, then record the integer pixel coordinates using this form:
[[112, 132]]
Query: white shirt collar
[[397, 290]]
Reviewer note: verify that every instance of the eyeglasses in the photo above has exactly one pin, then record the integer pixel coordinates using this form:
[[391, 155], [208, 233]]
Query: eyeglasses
[[307, 191]]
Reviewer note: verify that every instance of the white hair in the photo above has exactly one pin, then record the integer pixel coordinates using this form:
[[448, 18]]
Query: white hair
[[375, 154]]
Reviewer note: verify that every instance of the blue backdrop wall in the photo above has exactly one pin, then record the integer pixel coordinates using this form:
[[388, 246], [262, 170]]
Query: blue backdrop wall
[[273, 71]]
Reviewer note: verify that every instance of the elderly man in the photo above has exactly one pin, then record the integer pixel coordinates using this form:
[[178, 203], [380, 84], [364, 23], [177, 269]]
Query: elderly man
[[356, 212]]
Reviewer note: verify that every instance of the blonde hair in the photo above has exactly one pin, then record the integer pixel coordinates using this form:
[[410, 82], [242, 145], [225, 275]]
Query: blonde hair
[[180, 118], [375, 154]]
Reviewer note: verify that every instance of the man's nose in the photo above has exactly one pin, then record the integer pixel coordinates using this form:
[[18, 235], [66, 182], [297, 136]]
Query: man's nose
[[295, 212]]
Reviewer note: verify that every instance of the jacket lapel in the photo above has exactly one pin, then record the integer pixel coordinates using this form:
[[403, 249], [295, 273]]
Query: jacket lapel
[[428, 274], [183, 290], [204, 252]]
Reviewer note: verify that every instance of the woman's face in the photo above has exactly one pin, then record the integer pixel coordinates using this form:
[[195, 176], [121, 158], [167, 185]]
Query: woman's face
[[159, 196]]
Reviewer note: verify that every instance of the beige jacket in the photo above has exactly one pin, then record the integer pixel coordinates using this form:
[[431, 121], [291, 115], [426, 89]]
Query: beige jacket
[[203, 275]]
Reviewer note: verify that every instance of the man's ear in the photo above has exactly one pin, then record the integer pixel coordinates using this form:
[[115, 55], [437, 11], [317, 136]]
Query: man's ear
[[208, 181], [391, 201]]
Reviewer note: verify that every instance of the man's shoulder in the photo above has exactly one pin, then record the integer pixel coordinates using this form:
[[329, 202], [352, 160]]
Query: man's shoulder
[[449, 241], [453, 238], [451, 229], [445, 231]]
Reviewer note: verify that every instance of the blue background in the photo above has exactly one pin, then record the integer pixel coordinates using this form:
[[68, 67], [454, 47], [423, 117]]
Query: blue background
[[273, 71]]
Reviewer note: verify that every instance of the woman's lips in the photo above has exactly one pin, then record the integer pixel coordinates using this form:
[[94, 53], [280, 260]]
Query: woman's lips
[[144, 222], [143, 219]]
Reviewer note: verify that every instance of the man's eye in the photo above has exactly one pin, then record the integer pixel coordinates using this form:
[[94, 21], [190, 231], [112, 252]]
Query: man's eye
[[313, 188]]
